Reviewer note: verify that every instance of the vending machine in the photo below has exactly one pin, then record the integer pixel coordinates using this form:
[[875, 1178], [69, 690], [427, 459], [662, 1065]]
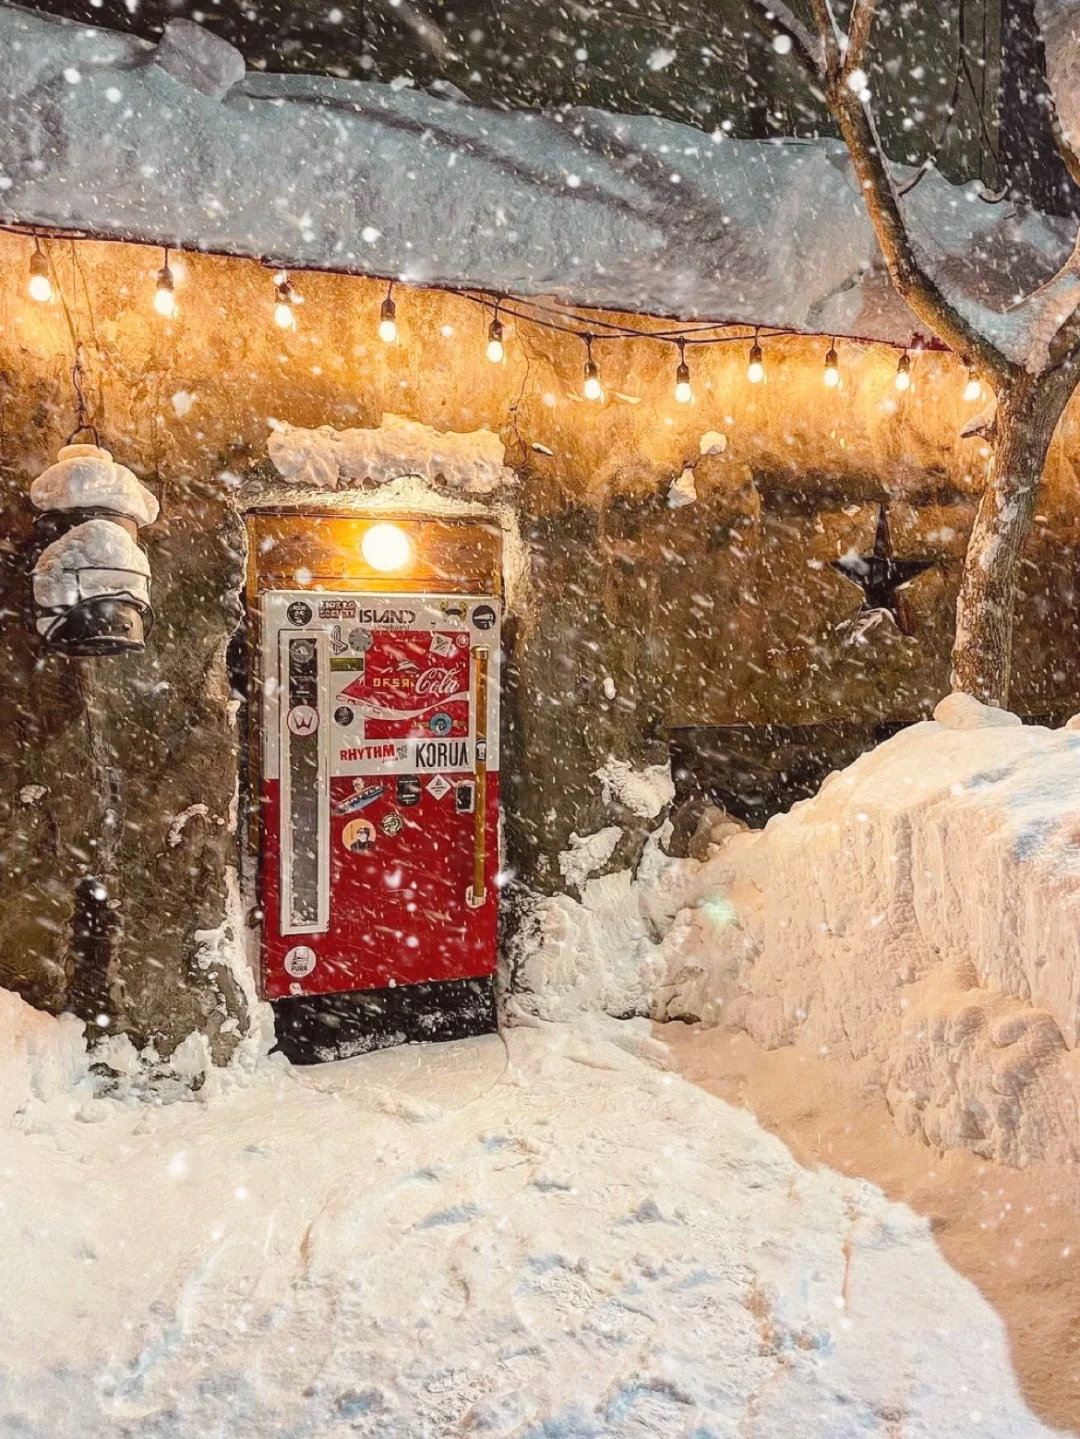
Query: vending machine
[[377, 754]]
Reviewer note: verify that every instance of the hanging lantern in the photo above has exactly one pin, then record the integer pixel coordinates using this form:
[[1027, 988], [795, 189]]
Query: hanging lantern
[[92, 581]]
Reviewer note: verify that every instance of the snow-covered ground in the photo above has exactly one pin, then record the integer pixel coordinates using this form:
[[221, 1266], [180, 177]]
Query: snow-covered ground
[[543, 1234]]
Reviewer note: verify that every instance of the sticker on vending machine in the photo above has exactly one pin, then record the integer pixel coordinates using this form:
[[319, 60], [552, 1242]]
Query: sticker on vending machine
[[358, 836]]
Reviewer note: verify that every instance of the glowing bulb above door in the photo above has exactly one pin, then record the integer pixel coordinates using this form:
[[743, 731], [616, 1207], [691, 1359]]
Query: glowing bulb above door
[[386, 547]]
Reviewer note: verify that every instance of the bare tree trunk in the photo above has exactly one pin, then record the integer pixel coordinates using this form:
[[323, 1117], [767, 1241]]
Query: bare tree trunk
[[1028, 412]]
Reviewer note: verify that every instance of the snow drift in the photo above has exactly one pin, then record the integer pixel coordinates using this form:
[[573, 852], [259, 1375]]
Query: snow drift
[[107, 135], [547, 1236], [918, 919]]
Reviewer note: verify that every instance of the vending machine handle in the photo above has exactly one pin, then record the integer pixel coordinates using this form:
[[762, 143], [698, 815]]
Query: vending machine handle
[[476, 894]]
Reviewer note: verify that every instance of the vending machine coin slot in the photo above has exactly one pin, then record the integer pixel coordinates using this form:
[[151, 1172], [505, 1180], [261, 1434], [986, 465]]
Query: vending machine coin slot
[[305, 848]]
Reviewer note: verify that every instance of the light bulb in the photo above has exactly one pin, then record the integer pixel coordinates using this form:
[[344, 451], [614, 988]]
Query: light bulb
[[755, 370], [40, 286], [832, 371], [683, 393], [973, 388], [495, 348], [902, 380], [388, 322], [284, 316], [385, 547], [164, 295]]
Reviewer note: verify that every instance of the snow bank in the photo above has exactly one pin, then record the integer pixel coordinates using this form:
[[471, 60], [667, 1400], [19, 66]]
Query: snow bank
[[547, 1236], [918, 919], [42, 1057], [325, 458], [601, 952], [105, 135]]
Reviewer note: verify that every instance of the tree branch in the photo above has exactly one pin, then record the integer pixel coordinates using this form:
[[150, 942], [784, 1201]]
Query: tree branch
[[909, 277], [863, 14], [777, 19], [422, 26], [829, 34]]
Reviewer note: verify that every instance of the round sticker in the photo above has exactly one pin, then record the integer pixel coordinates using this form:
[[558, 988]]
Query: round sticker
[[483, 617], [343, 715], [391, 824], [300, 961], [303, 719], [358, 835], [360, 640], [461, 641], [299, 613], [440, 723]]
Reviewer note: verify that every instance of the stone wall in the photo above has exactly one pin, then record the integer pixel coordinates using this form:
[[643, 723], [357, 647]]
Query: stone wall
[[728, 610]]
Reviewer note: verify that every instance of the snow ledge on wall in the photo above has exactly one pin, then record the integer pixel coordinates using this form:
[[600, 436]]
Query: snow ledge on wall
[[472, 463]]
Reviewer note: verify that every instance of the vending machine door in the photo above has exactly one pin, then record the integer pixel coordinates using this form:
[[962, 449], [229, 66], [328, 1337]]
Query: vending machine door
[[379, 794]]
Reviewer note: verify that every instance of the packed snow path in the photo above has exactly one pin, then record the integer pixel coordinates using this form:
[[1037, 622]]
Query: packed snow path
[[544, 1234]]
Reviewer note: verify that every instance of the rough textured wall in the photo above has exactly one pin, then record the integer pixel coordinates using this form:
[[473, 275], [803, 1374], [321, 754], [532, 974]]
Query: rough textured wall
[[728, 610]]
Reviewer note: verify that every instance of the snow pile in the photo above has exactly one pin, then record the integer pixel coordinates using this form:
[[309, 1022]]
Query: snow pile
[[587, 854], [326, 458], [918, 919], [42, 1058], [643, 792], [106, 135], [551, 1236], [602, 951]]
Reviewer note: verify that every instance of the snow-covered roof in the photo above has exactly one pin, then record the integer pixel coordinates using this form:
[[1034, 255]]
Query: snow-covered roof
[[108, 135]]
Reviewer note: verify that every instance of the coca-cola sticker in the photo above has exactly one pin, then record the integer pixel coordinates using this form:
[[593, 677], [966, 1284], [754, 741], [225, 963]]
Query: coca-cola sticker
[[407, 681]]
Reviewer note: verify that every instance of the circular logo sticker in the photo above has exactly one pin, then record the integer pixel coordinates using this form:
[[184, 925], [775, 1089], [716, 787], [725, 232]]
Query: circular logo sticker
[[483, 617], [360, 640], [343, 716], [300, 961], [391, 824], [299, 613], [440, 723], [358, 836], [303, 719]]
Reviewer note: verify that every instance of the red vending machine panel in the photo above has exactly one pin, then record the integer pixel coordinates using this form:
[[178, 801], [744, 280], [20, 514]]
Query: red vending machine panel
[[378, 833]]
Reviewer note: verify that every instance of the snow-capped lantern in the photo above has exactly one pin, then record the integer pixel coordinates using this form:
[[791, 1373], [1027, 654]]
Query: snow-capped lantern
[[92, 582]]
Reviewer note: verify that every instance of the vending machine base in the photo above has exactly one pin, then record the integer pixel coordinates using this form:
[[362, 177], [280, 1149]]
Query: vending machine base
[[314, 1029]]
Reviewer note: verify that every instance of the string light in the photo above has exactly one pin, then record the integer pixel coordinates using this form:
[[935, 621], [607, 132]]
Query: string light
[[284, 300], [388, 318], [973, 388], [755, 369], [591, 388], [832, 367], [683, 393], [165, 294], [903, 372], [496, 351], [40, 286]]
